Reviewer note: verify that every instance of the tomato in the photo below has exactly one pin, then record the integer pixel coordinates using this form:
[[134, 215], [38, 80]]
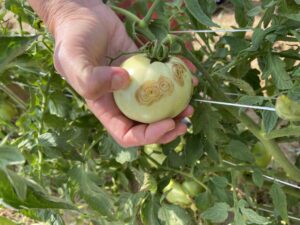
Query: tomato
[[287, 109], [176, 195], [157, 90], [261, 155], [191, 188], [7, 111]]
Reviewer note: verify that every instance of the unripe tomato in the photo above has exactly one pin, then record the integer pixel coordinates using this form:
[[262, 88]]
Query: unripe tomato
[[176, 194], [7, 111], [287, 109], [261, 155], [157, 90], [191, 188]]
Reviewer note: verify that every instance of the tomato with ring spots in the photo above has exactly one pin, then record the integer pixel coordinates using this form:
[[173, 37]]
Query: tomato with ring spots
[[157, 90]]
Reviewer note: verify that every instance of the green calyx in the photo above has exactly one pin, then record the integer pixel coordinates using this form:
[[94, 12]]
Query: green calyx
[[157, 51]]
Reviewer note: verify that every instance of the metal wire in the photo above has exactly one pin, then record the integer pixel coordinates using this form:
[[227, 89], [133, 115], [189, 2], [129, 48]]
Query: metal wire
[[237, 105], [211, 31]]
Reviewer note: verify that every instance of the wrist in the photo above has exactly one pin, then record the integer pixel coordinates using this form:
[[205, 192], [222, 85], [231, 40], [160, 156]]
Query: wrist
[[56, 12]]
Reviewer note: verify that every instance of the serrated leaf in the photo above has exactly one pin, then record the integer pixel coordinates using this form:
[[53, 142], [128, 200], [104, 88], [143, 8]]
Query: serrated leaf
[[10, 156], [173, 215], [269, 119], [11, 47], [196, 10], [149, 183], [55, 146], [279, 201], [193, 149], [276, 67], [239, 150], [216, 214]]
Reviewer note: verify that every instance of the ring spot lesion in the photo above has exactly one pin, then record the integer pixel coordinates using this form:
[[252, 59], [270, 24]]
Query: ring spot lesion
[[179, 73], [152, 91]]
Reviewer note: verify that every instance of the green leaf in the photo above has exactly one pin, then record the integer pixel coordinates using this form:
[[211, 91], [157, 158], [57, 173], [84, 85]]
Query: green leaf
[[125, 155], [173, 215], [239, 150], [19, 184], [253, 218], [196, 10], [55, 146], [259, 36], [269, 119], [59, 105], [149, 211], [193, 149], [203, 200], [12, 47], [10, 156], [122, 155], [5, 221], [257, 177], [279, 201], [45, 215], [276, 67], [94, 195], [217, 213], [207, 121], [36, 196]]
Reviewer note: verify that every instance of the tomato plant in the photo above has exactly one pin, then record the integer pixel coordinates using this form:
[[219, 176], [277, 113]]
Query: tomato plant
[[59, 165]]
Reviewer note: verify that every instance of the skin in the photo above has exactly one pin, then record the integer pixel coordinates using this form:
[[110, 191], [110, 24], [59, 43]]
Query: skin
[[85, 33]]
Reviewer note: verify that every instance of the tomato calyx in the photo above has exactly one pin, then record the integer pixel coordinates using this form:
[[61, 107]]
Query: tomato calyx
[[157, 51]]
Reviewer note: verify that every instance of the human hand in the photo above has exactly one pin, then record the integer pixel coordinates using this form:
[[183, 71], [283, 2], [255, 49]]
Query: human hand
[[86, 32]]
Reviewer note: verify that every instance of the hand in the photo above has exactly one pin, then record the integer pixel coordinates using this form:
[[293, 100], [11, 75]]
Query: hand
[[86, 32]]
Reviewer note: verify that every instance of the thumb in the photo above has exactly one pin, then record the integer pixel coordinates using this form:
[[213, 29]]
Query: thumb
[[94, 82]]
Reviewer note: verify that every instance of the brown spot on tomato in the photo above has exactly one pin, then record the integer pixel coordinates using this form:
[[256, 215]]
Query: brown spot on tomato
[[166, 85], [179, 73], [152, 91]]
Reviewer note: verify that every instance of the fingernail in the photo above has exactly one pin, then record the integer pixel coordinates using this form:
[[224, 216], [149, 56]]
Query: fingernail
[[118, 82], [187, 122]]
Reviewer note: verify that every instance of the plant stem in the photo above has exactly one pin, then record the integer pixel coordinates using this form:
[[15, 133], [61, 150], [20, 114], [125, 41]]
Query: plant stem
[[127, 14], [13, 96], [284, 132], [149, 14]]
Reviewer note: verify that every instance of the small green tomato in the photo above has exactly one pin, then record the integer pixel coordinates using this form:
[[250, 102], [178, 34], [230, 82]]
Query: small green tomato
[[261, 155], [176, 194], [157, 90], [191, 188], [287, 108]]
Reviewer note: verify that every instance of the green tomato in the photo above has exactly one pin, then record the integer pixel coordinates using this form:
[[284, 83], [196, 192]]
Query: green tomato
[[157, 90], [287, 109], [7, 111], [176, 195], [261, 155], [191, 188]]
